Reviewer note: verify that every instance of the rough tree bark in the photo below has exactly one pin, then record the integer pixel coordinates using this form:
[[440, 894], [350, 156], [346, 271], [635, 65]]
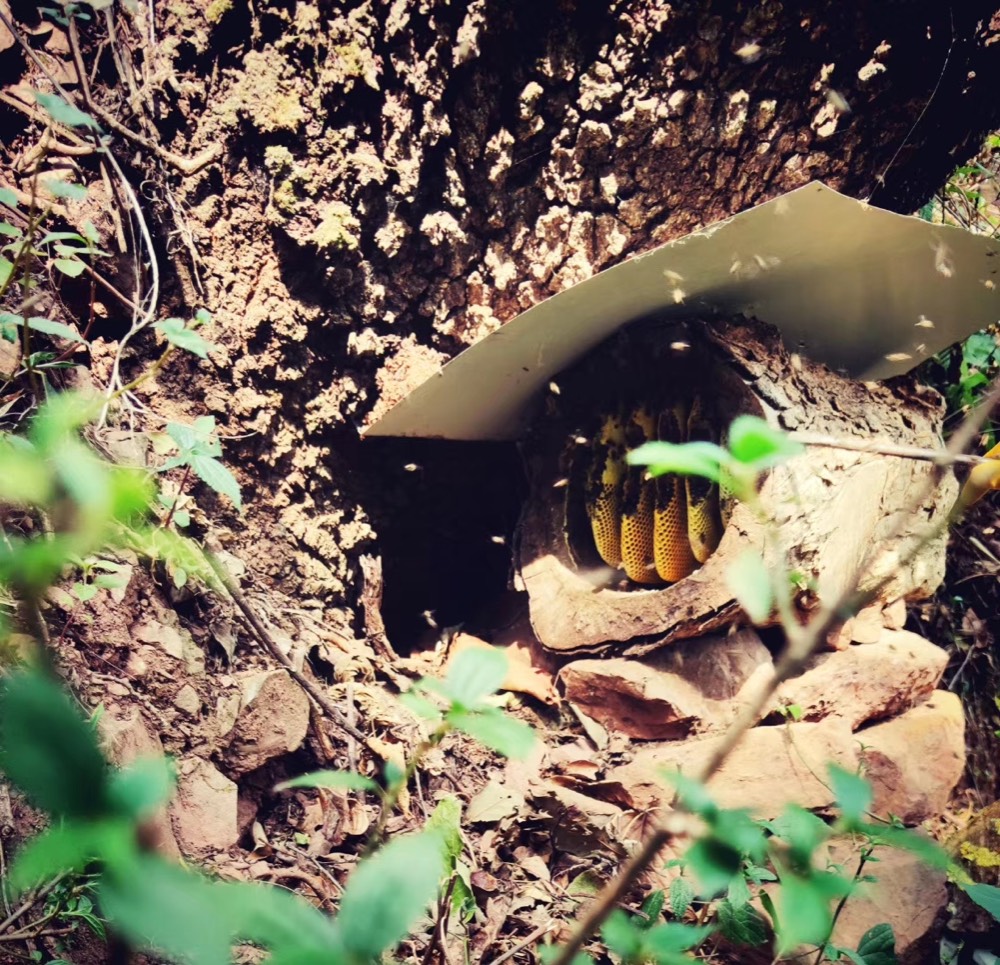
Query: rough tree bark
[[398, 179]]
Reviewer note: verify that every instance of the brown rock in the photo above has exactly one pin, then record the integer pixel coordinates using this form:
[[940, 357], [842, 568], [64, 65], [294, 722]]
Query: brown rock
[[868, 682], [915, 760], [686, 689], [128, 739], [7, 39], [204, 813], [906, 894], [770, 767], [187, 700], [867, 625], [894, 615], [630, 697], [273, 719]]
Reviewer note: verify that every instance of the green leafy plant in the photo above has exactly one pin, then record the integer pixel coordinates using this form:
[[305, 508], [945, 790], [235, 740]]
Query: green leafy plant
[[51, 754], [199, 451]]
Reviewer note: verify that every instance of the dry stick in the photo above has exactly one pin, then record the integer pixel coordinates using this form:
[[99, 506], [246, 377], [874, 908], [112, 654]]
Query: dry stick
[[184, 165], [27, 934], [32, 899], [142, 318], [802, 641], [269, 642], [941, 457], [539, 932]]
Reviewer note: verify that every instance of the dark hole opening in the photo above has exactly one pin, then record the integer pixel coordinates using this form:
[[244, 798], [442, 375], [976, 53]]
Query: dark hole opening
[[445, 514]]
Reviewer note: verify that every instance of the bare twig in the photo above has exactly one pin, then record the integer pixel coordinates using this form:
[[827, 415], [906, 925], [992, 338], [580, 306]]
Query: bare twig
[[184, 165], [540, 932], [36, 896], [879, 447], [262, 634], [145, 311]]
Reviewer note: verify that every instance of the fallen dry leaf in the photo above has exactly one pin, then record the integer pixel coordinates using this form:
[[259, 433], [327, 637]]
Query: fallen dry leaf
[[523, 674]]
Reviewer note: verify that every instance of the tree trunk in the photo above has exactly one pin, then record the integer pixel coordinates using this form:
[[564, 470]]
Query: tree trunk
[[396, 180]]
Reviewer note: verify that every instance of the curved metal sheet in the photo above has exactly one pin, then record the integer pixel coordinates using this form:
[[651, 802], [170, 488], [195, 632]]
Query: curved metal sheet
[[864, 290]]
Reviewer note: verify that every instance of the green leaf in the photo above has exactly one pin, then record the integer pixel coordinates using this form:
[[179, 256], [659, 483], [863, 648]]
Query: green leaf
[[6, 268], [65, 189], [672, 937], [474, 674], [84, 592], [47, 750], [388, 892], [496, 730], [65, 113], [692, 794], [141, 787], [803, 912], [750, 582], [739, 892], [9, 230], [986, 896], [688, 458], [621, 934], [652, 907], [339, 780], [48, 327], [185, 338], [852, 792], [755, 443], [32, 565], [419, 705], [71, 847], [801, 830], [185, 436], [929, 851], [548, 953], [681, 896], [111, 581], [878, 945], [216, 476], [714, 864], [60, 417], [978, 349], [737, 829], [25, 479], [156, 905], [8, 197], [72, 267], [446, 821], [742, 923], [274, 918]]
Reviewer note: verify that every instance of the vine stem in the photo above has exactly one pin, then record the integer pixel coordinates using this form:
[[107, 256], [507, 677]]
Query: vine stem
[[180, 492], [802, 642], [392, 794], [863, 858]]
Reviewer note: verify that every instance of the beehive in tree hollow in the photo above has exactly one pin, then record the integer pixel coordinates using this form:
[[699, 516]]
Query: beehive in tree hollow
[[830, 507]]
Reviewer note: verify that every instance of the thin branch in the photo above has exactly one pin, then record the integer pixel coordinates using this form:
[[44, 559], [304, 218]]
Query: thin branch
[[540, 932], [879, 447], [262, 634], [31, 900]]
